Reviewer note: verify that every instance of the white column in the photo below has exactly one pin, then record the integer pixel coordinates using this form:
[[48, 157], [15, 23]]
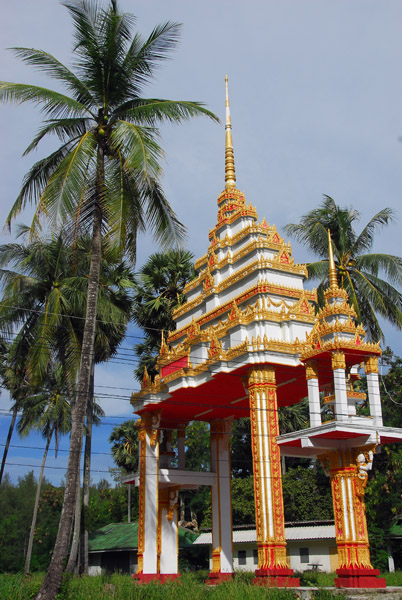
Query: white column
[[391, 562], [222, 556], [341, 398], [169, 532], [181, 447], [151, 504], [313, 394], [373, 389]]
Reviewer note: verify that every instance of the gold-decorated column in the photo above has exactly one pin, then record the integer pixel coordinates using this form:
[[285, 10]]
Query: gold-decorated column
[[148, 434], [272, 562], [222, 558], [348, 471]]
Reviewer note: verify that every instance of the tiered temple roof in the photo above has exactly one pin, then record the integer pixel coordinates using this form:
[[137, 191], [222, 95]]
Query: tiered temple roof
[[246, 306]]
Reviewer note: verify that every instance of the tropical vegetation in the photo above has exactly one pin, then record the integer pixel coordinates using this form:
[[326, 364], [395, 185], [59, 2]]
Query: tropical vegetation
[[104, 177], [372, 280]]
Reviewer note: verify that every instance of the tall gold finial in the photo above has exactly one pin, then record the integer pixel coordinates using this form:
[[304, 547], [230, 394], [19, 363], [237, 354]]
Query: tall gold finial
[[230, 175], [333, 280]]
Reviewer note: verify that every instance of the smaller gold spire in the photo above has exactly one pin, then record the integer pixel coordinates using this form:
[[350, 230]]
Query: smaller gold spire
[[333, 280], [230, 175]]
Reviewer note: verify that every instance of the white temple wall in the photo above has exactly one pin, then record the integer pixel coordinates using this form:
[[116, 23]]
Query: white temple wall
[[374, 397], [169, 543], [298, 330], [292, 280], [198, 354]]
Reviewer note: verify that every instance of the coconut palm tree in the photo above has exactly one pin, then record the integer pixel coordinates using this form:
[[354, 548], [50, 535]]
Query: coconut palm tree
[[43, 305], [44, 299], [104, 176], [158, 291], [48, 412], [359, 271], [16, 386]]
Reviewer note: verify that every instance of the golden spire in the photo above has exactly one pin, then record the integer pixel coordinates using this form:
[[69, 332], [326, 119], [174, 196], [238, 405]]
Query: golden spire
[[230, 175], [333, 280]]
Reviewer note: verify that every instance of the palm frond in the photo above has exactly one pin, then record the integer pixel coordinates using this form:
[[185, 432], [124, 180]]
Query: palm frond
[[36, 180], [318, 270], [53, 103], [390, 265], [48, 64], [152, 111], [366, 238], [65, 129], [138, 146], [59, 196], [143, 57], [161, 219]]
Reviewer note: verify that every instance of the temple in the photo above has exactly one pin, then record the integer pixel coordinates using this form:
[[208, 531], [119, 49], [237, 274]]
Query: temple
[[246, 340]]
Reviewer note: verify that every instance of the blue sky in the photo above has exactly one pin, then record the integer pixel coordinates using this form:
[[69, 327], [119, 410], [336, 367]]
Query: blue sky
[[316, 102]]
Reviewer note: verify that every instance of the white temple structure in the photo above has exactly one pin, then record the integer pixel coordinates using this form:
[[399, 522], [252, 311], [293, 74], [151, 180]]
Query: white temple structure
[[240, 350]]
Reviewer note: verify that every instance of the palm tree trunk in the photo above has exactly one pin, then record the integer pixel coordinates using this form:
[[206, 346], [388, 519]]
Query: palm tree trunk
[[72, 559], [36, 505], [87, 476], [52, 582], [10, 433]]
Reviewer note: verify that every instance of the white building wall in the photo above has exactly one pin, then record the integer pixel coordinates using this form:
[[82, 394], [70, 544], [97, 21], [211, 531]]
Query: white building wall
[[319, 554]]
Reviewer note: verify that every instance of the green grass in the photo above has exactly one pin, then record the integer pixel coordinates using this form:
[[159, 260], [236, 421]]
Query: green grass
[[393, 579], [189, 587]]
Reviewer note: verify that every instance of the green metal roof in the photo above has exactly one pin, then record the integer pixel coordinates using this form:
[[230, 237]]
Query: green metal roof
[[396, 528], [124, 536]]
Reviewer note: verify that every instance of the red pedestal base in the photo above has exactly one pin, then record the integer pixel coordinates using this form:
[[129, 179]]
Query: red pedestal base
[[155, 577], [359, 578], [216, 578], [276, 578]]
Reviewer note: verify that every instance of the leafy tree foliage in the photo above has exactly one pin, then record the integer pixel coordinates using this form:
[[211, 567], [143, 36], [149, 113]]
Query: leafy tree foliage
[[307, 494], [16, 506], [243, 507], [383, 492], [241, 458], [359, 271], [107, 505]]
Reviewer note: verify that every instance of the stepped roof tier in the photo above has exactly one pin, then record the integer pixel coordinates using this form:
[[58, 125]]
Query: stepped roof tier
[[336, 343], [246, 307], [336, 330]]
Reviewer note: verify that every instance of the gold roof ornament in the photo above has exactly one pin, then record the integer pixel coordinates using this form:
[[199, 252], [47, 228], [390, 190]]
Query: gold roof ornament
[[230, 174], [333, 280]]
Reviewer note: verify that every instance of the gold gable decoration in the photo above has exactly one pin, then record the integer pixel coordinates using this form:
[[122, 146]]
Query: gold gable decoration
[[209, 281], [215, 348]]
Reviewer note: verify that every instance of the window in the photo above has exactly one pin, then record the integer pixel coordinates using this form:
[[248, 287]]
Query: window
[[241, 555], [304, 555], [255, 557]]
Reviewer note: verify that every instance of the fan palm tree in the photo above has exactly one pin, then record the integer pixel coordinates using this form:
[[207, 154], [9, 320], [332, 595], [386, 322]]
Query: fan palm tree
[[104, 176], [359, 271], [158, 291], [124, 440]]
